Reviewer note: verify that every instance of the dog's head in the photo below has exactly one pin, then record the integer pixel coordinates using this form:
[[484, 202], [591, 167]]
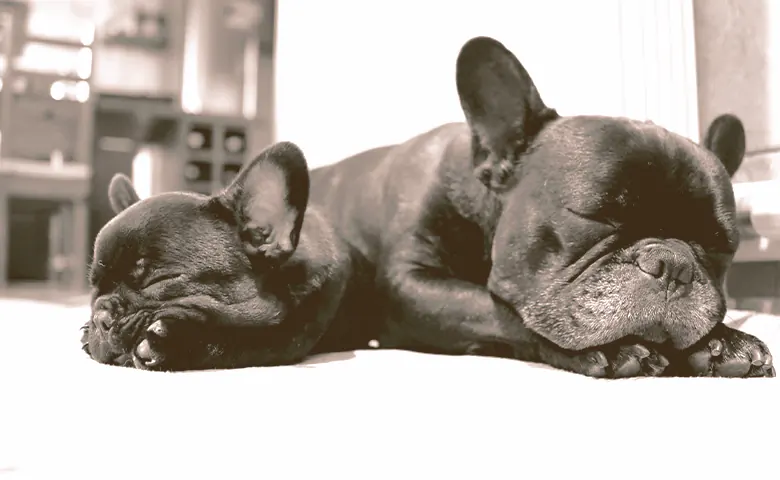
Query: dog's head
[[609, 227], [187, 256]]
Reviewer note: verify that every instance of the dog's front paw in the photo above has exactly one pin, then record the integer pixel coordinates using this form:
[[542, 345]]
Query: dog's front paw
[[620, 361], [159, 348], [726, 352], [150, 353]]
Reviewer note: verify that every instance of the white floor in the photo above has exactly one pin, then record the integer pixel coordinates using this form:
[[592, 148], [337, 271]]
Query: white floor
[[373, 414]]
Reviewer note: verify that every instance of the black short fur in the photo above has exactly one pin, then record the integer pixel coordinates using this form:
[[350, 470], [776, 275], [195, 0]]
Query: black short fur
[[248, 277], [594, 244]]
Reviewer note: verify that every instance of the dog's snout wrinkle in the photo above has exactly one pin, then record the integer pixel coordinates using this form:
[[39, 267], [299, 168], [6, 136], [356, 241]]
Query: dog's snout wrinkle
[[102, 318], [666, 265], [105, 312]]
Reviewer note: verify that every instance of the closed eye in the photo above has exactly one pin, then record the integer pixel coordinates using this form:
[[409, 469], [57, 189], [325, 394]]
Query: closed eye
[[594, 218], [161, 278]]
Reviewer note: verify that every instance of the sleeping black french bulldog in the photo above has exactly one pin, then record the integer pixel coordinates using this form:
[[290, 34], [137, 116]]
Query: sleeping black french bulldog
[[592, 244], [248, 277]]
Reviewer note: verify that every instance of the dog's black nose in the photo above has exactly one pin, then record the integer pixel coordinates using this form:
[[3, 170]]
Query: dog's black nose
[[666, 265]]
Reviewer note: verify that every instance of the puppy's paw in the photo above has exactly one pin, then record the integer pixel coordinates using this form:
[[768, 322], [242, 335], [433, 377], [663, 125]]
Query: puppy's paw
[[726, 352], [151, 353], [621, 361]]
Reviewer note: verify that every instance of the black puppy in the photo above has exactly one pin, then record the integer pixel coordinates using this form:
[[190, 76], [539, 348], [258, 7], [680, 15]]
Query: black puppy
[[248, 277], [593, 244]]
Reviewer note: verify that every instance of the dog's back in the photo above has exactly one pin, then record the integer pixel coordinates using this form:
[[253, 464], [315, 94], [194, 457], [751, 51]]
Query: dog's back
[[509, 235], [364, 194]]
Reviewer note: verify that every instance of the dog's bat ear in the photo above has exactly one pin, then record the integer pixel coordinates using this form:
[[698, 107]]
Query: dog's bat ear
[[121, 193], [502, 107], [268, 199], [725, 138]]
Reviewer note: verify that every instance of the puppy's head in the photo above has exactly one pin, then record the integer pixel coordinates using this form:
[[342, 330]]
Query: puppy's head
[[610, 227], [203, 259]]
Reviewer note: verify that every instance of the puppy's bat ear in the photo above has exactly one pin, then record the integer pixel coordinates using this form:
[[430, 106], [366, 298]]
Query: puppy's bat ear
[[268, 199], [725, 138], [121, 193], [502, 107]]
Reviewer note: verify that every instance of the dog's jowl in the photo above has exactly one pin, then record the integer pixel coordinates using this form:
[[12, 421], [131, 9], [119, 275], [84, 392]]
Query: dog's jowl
[[248, 277], [593, 244]]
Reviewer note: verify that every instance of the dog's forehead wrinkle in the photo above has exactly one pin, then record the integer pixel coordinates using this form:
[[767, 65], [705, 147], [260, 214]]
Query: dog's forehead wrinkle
[[181, 243], [619, 164], [604, 145]]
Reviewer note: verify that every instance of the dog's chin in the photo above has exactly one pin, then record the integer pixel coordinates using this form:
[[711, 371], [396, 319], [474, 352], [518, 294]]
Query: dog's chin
[[99, 348], [614, 302]]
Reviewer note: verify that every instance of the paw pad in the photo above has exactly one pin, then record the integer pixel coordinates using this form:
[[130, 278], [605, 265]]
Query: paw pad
[[624, 361], [147, 354], [732, 354]]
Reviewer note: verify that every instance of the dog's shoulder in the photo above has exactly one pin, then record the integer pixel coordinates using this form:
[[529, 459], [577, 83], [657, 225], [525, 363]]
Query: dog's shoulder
[[319, 243], [442, 202], [418, 173]]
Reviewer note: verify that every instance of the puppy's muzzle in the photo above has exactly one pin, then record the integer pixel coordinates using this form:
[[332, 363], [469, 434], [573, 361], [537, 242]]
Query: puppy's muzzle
[[670, 268]]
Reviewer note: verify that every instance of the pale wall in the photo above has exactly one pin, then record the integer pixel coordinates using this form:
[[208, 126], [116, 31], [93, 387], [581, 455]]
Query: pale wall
[[738, 60], [351, 74]]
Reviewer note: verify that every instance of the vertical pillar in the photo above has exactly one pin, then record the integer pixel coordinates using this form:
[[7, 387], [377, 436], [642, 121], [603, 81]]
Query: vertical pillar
[[5, 222], [6, 97], [214, 56], [79, 254], [6, 94], [194, 56], [217, 157], [59, 230]]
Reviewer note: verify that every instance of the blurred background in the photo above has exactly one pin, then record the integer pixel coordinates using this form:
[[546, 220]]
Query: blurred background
[[178, 94]]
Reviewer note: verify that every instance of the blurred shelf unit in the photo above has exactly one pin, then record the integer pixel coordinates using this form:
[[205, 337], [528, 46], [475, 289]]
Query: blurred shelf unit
[[216, 150], [174, 93], [45, 152], [141, 28], [181, 151], [753, 282], [756, 186], [189, 80], [754, 286]]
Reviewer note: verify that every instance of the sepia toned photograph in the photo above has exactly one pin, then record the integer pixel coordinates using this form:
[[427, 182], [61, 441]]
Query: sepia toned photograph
[[297, 239]]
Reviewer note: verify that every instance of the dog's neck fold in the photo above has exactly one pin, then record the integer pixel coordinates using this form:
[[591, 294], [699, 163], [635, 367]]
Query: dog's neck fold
[[470, 198]]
